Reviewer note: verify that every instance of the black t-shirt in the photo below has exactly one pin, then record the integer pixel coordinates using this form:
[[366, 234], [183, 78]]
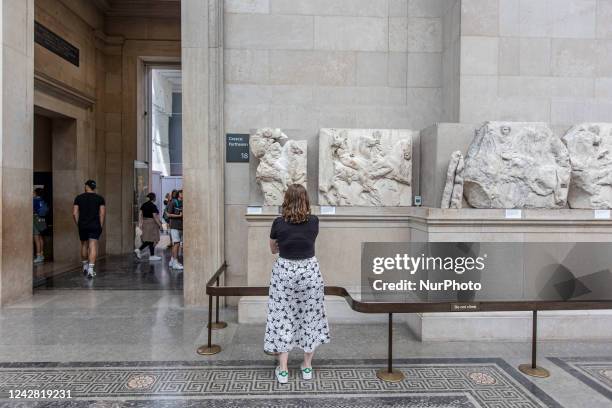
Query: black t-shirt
[[89, 209], [148, 209], [295, 241]]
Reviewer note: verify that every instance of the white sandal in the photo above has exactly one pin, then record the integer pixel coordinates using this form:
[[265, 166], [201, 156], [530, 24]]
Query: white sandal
[[306, 372], [281, 376]]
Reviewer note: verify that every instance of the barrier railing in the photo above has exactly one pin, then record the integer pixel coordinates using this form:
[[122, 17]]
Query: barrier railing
[[213, 289]]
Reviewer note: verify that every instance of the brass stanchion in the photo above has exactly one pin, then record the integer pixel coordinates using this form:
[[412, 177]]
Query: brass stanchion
[[209, 349], [217, 324], [389, 375], [532, 369]]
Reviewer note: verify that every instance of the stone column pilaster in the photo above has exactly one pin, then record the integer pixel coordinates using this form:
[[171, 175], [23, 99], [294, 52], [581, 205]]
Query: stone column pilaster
[[203, 154], [16, 140]]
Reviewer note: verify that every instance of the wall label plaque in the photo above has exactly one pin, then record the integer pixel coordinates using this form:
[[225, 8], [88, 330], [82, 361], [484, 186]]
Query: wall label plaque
[[328, 210], [251, 210], [513, 214], [601, 214], [236, 148], [56, 44]]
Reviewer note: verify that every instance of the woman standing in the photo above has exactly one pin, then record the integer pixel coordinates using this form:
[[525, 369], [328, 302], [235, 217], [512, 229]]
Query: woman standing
[[150, 225], [296, 314]]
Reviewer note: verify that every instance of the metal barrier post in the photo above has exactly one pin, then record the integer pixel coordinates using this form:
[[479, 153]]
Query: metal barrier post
[[532, 369], [217, 324], [389, 375], [209, 349]]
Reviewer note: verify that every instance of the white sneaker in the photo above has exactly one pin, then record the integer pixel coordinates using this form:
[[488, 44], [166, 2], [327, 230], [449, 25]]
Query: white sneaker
[[91, 273], [177, 265], [281, 376], [39, 259], [171, 263], [137, 253], [154, 258], [306, 372], [85, 267]]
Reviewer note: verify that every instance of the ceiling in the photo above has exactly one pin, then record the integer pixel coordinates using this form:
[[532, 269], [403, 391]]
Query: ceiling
[[140, 8]]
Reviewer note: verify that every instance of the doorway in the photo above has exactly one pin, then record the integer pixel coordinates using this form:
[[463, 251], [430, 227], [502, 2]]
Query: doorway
[[164, 153], [54, 165]]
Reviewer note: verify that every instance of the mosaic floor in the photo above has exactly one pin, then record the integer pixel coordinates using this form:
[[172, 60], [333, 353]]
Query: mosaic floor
[[432, 383], [594, 372]]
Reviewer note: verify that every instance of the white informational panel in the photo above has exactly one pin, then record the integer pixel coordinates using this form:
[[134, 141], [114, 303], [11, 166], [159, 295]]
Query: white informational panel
[[514, 214]]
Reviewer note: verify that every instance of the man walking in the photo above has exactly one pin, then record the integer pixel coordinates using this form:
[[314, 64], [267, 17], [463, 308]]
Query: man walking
[[175, 214], [88, 212]]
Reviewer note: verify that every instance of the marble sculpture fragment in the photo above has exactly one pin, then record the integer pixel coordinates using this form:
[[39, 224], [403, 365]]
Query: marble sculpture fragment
[[282, 162]]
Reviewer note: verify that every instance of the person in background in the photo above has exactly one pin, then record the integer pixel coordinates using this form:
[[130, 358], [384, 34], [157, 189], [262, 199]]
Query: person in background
[[150, 224], [169, 197], [175, 214], [41, 209], [88, 212], [296, 313]]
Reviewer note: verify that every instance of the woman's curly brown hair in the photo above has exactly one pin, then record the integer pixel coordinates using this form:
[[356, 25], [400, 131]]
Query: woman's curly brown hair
[[296, 206]]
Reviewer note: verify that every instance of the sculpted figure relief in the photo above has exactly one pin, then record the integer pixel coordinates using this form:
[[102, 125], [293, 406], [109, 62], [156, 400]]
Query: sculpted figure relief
[[281, 162], [590, 152], [453, 189], [361, 167], [516, 165]]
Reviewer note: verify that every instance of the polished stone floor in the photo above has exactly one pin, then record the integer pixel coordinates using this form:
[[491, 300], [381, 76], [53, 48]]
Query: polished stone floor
[[137, 348], [120, 273]]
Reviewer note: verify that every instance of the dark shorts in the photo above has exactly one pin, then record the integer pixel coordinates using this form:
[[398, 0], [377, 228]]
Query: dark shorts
[[88, 233]]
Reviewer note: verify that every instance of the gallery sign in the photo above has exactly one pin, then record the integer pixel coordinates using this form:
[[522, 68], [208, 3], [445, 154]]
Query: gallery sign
[[236, 148]]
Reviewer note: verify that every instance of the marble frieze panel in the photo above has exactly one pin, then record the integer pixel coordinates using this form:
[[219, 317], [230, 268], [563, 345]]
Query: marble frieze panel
[[365, 167], [590, 152], [516, 165]]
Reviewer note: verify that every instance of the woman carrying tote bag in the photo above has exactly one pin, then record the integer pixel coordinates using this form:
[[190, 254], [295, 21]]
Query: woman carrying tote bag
[[296, 314]]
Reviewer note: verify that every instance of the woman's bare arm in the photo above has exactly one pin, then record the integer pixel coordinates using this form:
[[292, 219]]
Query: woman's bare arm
[[157, 220]]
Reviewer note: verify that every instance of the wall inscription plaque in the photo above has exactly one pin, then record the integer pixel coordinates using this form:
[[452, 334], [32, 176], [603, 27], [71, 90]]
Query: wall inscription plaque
[[56, 44]]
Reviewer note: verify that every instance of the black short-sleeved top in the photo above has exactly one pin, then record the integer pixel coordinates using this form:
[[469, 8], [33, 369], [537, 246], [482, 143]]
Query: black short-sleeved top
[[89, 209], [295, 241], [148, 209], [175, 207]]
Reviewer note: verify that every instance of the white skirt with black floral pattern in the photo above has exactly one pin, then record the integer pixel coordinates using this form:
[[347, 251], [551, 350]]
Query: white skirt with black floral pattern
[[296, 313]]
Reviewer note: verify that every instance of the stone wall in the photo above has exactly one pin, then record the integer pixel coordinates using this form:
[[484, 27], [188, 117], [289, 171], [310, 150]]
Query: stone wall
[[536, 60], [451, 48], [306, 65], [76, 24]]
